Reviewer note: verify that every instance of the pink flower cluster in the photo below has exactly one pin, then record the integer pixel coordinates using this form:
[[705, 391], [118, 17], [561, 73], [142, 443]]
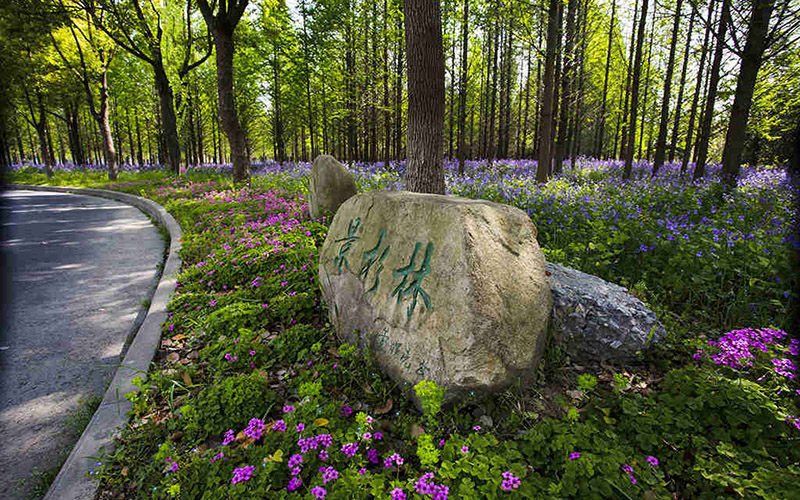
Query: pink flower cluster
[[426, 486], [510, 481]]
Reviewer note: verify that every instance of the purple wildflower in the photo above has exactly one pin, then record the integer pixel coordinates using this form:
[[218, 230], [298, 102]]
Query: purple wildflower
[[350, 449], [242, 474], [319, 492], [398, 494], [652, 461], [255, 428], [575, 455], [229, 437], [510, 481], [294, 483]]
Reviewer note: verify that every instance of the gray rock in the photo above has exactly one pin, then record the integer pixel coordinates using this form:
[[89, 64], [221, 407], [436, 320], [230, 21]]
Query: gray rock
[[438, 287], [330, 185], [594, 320]]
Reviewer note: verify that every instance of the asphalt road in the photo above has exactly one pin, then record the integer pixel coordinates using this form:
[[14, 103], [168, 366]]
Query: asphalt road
[[75, 272]]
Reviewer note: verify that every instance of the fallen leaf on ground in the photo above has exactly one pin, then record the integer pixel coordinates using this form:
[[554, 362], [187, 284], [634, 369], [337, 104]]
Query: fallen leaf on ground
[[386, 408]]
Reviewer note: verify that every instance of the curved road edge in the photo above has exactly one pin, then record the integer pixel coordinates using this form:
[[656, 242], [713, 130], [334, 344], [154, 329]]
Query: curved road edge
[[73, 481]]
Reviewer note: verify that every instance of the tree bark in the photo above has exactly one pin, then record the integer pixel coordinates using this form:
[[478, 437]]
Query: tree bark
[[637, 68], [222, 26], [424, 170], [752, 56], [462, 88], [546, 117], [624, 138], [708, 114], [698, 88], [601, 122], [661, 142], [676, 120], [169, 123]]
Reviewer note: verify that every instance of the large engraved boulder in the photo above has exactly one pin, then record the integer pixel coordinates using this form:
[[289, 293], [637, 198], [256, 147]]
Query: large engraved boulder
[[438, 287], [594, 320], [330, 185]]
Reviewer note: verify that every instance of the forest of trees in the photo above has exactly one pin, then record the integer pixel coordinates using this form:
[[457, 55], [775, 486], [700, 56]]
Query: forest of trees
[[189, 82]]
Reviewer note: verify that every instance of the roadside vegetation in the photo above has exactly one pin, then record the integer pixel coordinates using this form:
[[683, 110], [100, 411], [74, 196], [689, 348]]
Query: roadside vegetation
[[252, 396]]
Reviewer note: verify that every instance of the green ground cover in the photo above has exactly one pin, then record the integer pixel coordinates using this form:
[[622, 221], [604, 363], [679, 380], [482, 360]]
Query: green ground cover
[[252, 396]]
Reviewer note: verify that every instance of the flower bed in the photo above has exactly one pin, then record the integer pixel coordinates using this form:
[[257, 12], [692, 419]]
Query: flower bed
[[251, 395]]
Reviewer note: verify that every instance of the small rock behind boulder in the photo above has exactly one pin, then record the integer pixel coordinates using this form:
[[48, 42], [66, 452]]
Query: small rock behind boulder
[[594, 320], [331, 184]]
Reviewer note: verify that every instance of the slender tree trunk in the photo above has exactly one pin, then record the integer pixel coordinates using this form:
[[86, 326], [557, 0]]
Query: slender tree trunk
[[566, 85], [624, 138], [462, 87], [646, 88], [398, 103], [169, 123], [708, 114], [676, 120], [687, 147], [752, 57], [637, 68], [424, 171], [102, 117], [661, 142], [546, 117], [524, 149], [224, 50], [452, 98], [601, 122], [387, 131]]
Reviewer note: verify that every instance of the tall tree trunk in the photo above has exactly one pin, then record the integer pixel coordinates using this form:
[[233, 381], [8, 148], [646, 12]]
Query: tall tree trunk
[[398, 103], [169, 123], [625, 131], [102, 117], [138, 139], [708, 113], [490, 143], [566, 85], [676, 120], [524, 150], [387, 131], [661, 142], [462, 87], [224, 50], [546, 117], [423, 23], [637, 69], [452, 98], [698, 88], [752, 57], [601, 122], [646, 87]]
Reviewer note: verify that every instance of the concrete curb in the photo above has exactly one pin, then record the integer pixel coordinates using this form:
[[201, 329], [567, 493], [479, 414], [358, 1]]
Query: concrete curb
[[73, 481]]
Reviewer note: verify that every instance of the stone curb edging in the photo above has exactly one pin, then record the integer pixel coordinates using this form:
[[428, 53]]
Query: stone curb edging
[[73, 481]]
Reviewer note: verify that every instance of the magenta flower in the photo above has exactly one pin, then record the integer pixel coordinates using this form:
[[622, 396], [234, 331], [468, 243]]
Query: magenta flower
[[362, 471], [346, 411], [398, 494], [350, 449], [242, 474], [464, 449], [255, 428], [300, 427], [228, 438], [319, 492], [652, 461], [574, 455], [295, 460], [294, 483], [217, 457], [510, 481], [279, 426], [288, 409], [378, 436], [329, 474], [323, 455]]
